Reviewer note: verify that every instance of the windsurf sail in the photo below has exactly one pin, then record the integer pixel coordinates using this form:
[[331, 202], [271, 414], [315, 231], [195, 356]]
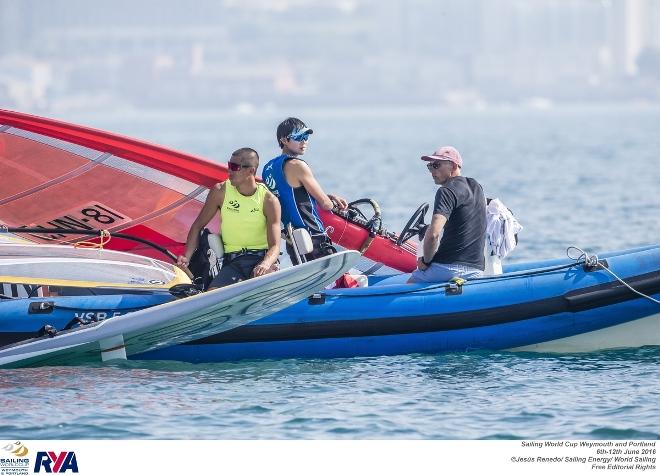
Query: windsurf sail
[[60, 175]]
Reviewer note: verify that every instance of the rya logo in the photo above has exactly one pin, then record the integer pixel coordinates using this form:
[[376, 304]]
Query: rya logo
[[254, 210], [56, 463]]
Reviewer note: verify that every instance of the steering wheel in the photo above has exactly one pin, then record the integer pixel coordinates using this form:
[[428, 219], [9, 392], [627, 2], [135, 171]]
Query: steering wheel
[[414, 225], [355, 215], [353, 207]]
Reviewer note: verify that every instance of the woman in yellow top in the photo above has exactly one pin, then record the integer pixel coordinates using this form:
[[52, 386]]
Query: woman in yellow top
[[249, 222]]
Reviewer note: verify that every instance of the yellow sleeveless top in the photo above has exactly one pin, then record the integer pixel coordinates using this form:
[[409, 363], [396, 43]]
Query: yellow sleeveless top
[[243, 221]]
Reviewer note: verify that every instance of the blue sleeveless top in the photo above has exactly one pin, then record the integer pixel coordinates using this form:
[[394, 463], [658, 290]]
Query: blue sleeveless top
[[298, 206]]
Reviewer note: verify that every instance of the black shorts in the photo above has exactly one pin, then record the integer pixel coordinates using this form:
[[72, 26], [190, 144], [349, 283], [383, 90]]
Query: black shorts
[[322, 247], [235, 270]]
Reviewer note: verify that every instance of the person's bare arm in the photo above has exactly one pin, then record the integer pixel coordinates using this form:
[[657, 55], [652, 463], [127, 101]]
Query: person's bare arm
[[273, 214], [298, 173], [431, 240], [213, 203]]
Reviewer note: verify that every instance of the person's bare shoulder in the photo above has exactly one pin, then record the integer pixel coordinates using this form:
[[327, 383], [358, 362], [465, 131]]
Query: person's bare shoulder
[[218, 189], [296, 164], [297, 169], [216, 194], [270, 197], [272, 207], [296, 172]]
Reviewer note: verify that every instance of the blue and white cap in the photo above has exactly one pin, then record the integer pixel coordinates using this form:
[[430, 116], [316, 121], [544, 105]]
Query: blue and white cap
[[300, 133]]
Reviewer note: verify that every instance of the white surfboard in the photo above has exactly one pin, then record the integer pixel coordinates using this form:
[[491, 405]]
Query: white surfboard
[[180, 321]]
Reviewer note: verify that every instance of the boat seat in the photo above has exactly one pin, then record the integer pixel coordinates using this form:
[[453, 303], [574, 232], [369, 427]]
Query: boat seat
[[301, 241]]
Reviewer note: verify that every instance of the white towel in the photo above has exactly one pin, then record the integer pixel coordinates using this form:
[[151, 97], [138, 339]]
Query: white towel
[[501, 229]]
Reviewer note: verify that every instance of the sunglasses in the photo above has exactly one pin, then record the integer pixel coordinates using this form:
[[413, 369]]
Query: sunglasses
[[234, 167], [434, 165], [304, 137]]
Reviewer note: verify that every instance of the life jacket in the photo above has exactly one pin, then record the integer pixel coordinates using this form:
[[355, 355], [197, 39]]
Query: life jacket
[[243, 220], [299, 208]]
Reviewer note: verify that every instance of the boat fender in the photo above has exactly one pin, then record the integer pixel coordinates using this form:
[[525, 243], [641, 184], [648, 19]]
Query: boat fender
[[47, 330], [41, 307], [454, 287], [316, 299]]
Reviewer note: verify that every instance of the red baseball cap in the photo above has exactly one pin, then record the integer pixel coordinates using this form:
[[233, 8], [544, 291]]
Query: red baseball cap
[[445, 153]]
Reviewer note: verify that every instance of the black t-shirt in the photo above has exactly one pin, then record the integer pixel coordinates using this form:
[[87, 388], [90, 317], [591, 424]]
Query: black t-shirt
[[461, 200]]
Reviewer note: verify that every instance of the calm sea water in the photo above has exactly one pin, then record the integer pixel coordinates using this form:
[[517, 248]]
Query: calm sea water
[[584, 176]]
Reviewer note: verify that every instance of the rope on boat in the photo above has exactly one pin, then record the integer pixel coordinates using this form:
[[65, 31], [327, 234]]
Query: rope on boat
[[104, 239], [591, 260]]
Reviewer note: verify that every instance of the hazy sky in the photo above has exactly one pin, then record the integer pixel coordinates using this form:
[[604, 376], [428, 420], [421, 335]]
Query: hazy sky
[[257, 53]]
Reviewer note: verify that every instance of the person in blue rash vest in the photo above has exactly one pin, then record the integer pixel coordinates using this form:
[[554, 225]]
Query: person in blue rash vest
[[291, 179]]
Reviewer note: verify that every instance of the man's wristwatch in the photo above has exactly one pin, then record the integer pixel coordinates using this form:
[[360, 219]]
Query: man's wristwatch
[[426, 263]]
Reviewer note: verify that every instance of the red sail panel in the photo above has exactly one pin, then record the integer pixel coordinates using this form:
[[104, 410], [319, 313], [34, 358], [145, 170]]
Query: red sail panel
[[50, 182], [27, 165], [183, 165]]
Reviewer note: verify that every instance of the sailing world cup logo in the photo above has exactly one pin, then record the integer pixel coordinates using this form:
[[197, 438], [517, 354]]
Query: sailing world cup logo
[[17, 449], [16, 460]]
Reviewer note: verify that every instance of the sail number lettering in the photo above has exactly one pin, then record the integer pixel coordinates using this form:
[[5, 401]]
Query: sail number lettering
[[96, 213], [89, 217]]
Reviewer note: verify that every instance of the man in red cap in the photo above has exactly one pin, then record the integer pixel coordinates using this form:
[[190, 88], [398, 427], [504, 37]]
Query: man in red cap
[[459, 216]]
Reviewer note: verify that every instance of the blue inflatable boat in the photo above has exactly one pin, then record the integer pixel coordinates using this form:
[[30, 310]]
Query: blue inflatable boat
[[559, 305]]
